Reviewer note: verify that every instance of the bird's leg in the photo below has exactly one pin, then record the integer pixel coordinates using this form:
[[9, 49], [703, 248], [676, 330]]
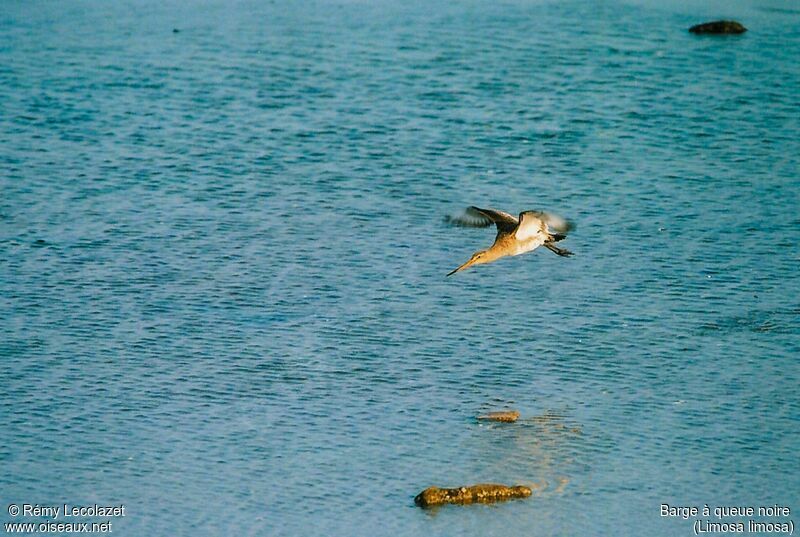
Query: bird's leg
[[563, 252]]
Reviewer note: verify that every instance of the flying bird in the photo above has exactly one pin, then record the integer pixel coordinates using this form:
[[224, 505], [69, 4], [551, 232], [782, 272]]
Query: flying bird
[[515, 235]]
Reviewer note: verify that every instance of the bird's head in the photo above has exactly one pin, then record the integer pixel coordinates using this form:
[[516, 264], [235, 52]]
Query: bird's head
[[477, 258]]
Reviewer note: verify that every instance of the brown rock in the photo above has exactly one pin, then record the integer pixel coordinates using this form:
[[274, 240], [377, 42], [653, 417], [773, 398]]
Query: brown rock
[[718, 27], [482, 493], [507, 416]]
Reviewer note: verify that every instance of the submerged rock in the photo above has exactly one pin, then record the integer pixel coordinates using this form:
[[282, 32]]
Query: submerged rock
[[507, 416], [718, 27], [482, 493]]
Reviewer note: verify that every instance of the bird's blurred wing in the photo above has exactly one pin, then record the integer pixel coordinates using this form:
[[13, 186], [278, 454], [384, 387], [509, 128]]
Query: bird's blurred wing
[[532, 223], [475, 217]]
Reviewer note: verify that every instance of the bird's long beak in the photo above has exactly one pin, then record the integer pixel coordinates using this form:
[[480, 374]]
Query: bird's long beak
[[462, 267]]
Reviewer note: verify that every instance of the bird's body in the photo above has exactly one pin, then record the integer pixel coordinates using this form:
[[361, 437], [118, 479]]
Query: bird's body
[[515, 235]]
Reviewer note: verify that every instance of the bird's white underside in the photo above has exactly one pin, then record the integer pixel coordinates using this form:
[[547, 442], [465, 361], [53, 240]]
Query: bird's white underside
[[532, 243]]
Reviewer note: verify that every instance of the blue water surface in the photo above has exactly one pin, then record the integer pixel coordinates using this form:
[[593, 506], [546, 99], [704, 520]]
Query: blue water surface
[[223, 256]]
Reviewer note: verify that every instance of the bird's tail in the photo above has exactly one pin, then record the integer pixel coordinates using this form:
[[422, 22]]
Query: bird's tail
[[563, 252]]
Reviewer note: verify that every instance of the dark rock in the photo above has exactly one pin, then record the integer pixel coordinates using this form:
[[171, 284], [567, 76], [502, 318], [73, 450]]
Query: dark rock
[[482, 493], [718, 27], [507, 416]]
